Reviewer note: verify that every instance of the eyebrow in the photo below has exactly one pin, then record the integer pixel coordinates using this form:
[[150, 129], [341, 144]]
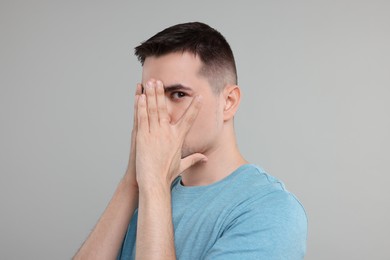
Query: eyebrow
[[172, 88], [176, 87]]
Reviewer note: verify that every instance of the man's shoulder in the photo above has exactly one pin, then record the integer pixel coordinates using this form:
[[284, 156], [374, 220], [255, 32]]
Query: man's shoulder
[[260, 210], [256, 190], [254, 181]]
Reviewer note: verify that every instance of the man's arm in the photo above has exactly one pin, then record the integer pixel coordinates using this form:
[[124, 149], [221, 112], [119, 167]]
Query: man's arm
[[107, 236], [155, 236], [158, 163]]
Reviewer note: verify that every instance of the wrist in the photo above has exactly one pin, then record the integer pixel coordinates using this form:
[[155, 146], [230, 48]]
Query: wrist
[[154, 188], [152, 179]]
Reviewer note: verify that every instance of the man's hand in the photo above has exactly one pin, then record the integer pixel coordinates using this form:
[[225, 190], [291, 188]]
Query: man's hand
[[159, 142], [158, 163]]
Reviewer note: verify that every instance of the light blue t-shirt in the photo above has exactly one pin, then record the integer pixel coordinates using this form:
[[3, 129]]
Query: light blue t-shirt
[[247, 215]]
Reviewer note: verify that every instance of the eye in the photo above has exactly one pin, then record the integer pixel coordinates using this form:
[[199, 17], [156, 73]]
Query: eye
[[178, 95]]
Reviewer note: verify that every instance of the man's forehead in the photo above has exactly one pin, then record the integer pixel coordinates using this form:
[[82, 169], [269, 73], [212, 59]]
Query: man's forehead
[[181, 59]]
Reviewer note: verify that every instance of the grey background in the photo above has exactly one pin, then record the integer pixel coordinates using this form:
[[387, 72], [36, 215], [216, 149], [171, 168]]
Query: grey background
[[315, 112]]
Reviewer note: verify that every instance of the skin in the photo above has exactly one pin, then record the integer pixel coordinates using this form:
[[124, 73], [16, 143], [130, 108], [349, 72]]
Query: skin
[[212, 133], [180, 127]]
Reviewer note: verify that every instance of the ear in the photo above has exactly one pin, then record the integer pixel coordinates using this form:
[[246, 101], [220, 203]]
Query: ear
[[232, 97]]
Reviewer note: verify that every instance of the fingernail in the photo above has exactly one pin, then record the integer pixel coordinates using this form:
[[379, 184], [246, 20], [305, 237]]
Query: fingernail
[[159, 83]]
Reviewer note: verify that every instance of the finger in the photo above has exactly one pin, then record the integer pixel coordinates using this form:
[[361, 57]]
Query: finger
[[135, 116], [138, 91], [161, 105], [142, 114], [131, 165], [152, 105], [191, 160], [188, 118]]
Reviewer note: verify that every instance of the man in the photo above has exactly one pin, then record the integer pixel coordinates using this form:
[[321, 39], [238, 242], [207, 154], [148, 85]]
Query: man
[[188, 193]]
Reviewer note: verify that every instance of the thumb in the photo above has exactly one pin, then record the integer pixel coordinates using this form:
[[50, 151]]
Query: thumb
[[191, 160]]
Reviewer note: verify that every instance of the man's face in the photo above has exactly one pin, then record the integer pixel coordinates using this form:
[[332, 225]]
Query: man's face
[[179, 73]]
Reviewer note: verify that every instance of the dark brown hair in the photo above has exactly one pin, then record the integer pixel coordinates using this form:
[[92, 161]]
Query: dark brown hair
[[199, 39]]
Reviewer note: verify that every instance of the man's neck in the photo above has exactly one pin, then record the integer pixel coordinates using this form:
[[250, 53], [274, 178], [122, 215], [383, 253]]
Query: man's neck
[[221, 162]]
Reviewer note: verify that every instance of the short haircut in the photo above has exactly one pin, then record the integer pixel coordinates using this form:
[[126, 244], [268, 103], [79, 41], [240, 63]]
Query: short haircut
[[199, 39]]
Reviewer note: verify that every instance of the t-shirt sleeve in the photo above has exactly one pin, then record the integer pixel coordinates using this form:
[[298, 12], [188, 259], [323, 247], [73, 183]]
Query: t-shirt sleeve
[[273, 228]]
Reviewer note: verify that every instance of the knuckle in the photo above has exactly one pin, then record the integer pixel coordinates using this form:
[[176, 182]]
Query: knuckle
[[141, 103], [160, 90], [152, 110], [162, 110], [164, 120], [150, 91], [143, 117]]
